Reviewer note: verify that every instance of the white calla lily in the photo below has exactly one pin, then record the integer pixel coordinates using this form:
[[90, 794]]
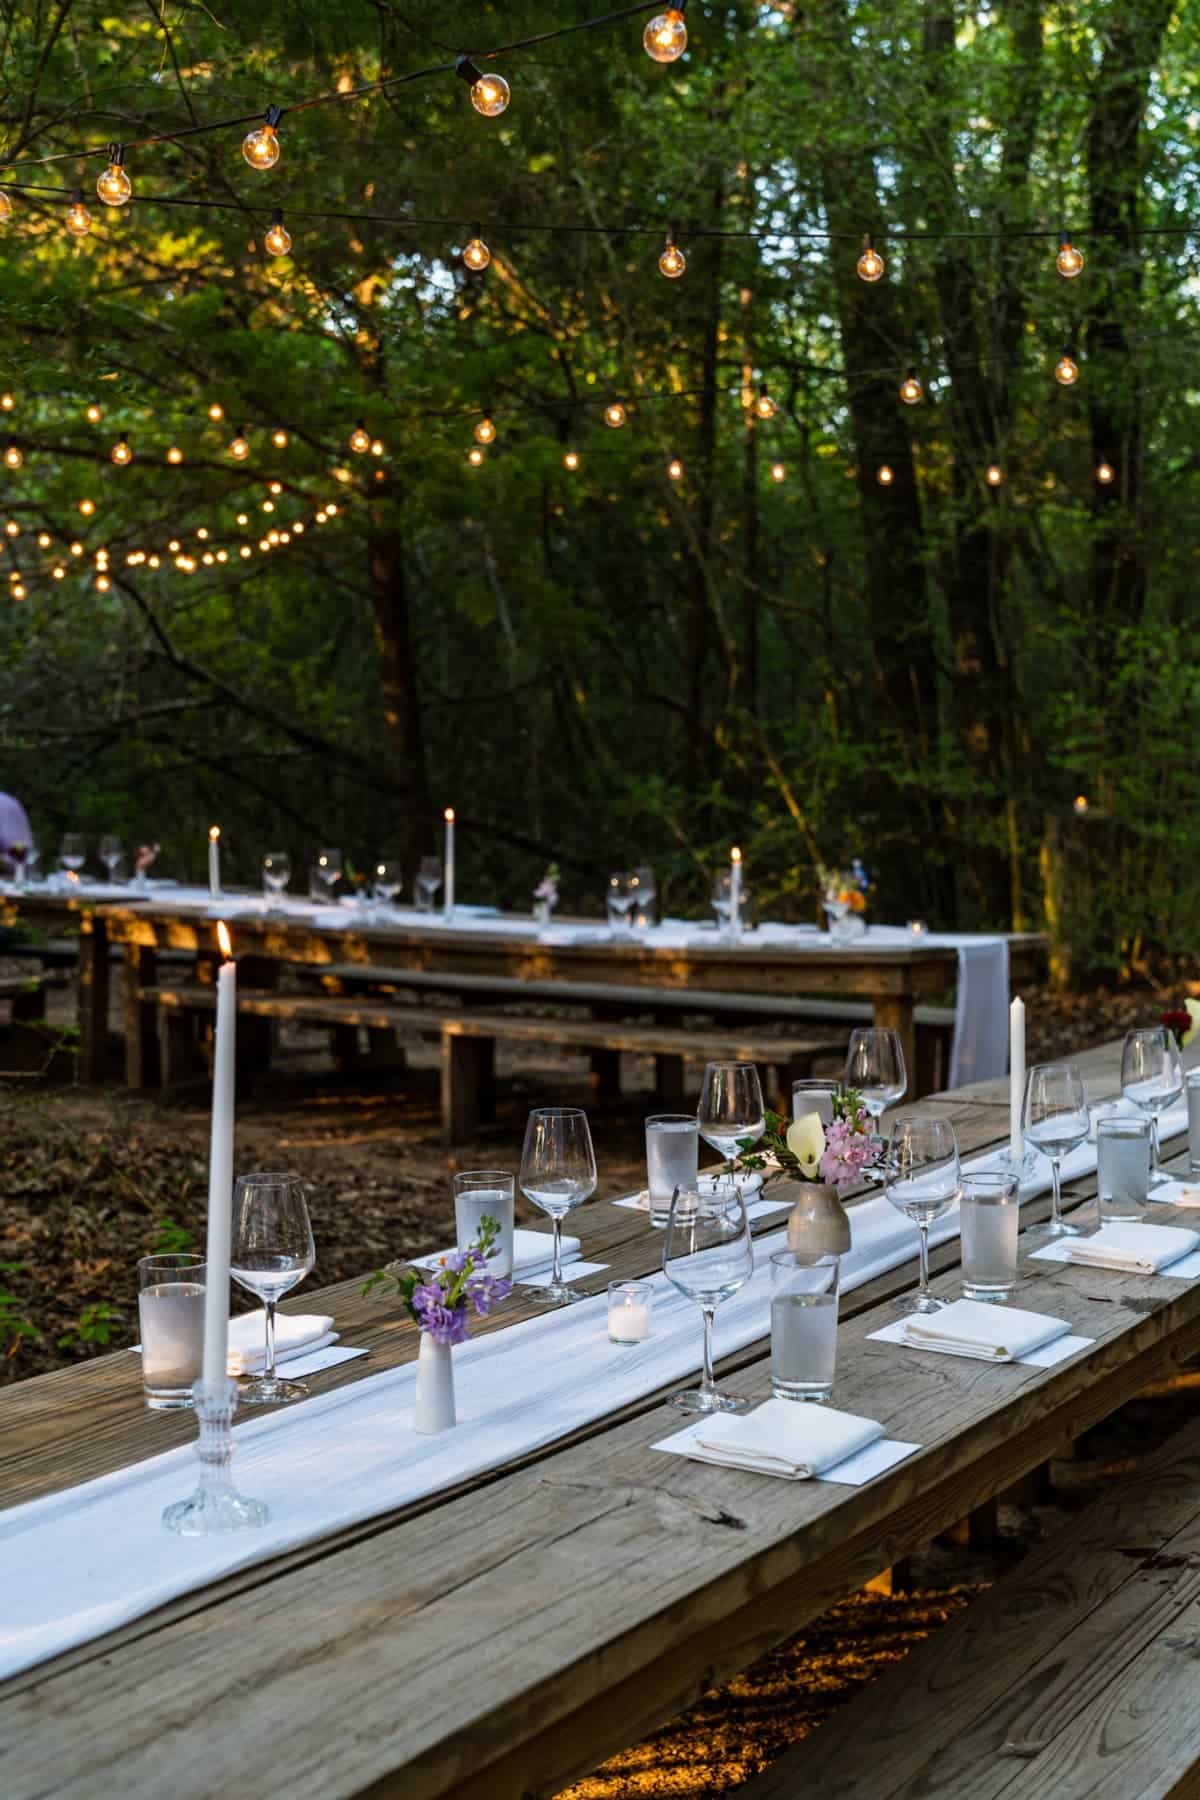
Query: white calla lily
[[806, 1141], [1193, 1011]]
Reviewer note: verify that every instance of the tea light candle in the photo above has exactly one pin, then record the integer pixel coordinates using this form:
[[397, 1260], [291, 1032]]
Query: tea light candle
[[917, 928], [629, 1311]]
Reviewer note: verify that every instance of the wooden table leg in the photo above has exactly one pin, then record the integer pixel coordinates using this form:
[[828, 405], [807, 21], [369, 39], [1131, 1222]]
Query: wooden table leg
[[894, 1012], [93, 997], [142, 1065]]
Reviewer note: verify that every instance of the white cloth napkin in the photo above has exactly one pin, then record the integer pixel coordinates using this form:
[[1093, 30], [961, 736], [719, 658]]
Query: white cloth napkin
[[533, 1253], [784, 1437], [1141, 1249], [295, 1334], [991, 1333]]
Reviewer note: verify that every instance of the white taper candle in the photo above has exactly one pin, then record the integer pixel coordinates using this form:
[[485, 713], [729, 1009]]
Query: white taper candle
[[1016, 1075], [220, 1169], [735, 890], [448, 861], [214, 862]]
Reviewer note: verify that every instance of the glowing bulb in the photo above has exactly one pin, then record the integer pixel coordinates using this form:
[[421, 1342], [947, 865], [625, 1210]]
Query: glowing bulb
[[360, 440], [1080, 804], [477, 256], [268, 506], [121, 453], [672, 262], [870, 263], [615, 415], [216, 412], [331, 509], [260, 147], [911, 391], [13, 456], [102, 584], [285, 537], [1069, 261], [87, 508], [278, 240], [202, 533], [245, 550], [994, 475], [273, 535], [7, 402], [44, 539], [1066, 370], [279, 438], [239, 449], [58, 572], [17, 590], [475, 456], [571, 460], [1105, 473], [884, 475], [321, 517], [5, 207], [764, 406], [675, 469], [275, 487], [174, 454], [485, 431], [114, 186], [665, 38], [264, 544], [94, 415], [298, 528], [12, 528], [76, 548], [173, 546], [208, 558], [778, 472], [78, 220], [490, 95], [377, 448]]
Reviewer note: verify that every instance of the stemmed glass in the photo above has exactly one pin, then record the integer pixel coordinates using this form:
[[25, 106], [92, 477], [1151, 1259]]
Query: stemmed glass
[[722, 903], [72, 852], [875, 1067], [111, 852], [386, 881], [1057, 1122], [645, 894], [923, 1181], [329, 861], [271, 1253], [276, 873], [731, 1107], [707, 1255], [621, 899], [558, 1172], [1152, 1077], [426, 882]]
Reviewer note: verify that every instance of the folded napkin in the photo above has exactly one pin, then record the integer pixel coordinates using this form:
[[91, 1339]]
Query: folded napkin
[[1141, 1249], [784, 1437], [533, 1253], [992, 1333], [295, 1334]]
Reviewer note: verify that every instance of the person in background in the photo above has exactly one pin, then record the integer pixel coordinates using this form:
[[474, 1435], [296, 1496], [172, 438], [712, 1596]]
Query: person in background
[[14, 830]]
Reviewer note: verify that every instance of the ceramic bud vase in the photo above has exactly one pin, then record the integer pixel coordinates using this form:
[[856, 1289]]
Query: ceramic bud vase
[[435, 1386], [818, 1224]]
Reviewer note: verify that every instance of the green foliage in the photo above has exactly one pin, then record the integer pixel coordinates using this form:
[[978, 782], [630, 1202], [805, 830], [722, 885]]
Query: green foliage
[[95, 1327], [14, 1324], [172, 1239]]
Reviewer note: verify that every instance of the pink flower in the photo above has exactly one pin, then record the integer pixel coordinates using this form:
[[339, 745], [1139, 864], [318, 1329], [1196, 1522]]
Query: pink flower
[[848, 1150]]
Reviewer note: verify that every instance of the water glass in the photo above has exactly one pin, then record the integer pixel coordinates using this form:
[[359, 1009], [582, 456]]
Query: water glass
[[320, 884], [1193, 1106], [72, 852], [171, 1322], [804, 1318], [426, 882], [1152, 1077], [875, 1067], [989, 1221], [731, 1107], [276, 873], [621, 898], [646, 893], [707, 1255], [813, 1095], [486, 1194], [923, 1181], [1056, 1121], [672, 1159], [629, 1305], [386, 881], [111, 852], [329, 861], [558, 1172], [1122, 1167], [272, 1251]]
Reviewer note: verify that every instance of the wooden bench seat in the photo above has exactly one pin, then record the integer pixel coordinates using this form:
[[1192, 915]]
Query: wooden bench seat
[[1073, 1678], [26, 1047], [468, 1043]]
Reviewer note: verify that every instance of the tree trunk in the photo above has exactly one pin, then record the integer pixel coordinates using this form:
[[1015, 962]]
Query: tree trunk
[[414, 826]]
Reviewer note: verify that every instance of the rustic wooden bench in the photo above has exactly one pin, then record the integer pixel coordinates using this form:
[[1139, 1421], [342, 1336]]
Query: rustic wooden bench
[[468, 1043], [26, 1047], [1074, 1677]]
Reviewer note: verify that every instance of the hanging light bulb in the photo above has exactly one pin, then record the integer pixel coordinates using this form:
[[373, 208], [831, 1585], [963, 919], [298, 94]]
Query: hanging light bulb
[[216, 412], [12, 528], [1069, 261], [58, 572], [7, 402], [475, 456], [764, 406], [885, 475], [153, 562], [360, 439], [1105, 473], [94, 415], [78, 220], [268, 506], [202, 533], [114, 186], [102, 584], [675, 469], [377, 449], [485, 431], [260, 147], [5, 208], [672, 262], [245, 550], [571, 460], [44, 540], [87, 508], [778, 471], [121, 453], [76, 548], [14, 456], [278, 240], [490, 93], [243, 518], [1066, 370], [870, 264], [665, 38], [615, 415], [274, 487], [174, 454], [17, 590], [994, 475], [476, 255], [239, 449], [173, 546], [911, 391]]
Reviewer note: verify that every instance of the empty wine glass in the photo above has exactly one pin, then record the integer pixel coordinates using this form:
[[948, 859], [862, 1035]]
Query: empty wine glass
[[923, 1181], [645, 894], [875, 1067], [426, 882], [111, 852], [731, 1107], [621, 899], [72, 852], [271, 1253], [1056, 1121], [707, 1255], [386, 881], [329, 861], [1152, 1077], [276, 873], [558, 1172]]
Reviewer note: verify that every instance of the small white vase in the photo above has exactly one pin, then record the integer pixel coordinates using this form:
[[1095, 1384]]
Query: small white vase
[[435, 1386]]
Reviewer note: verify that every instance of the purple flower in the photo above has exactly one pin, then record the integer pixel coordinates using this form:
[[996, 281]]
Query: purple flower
[[445, 1324]]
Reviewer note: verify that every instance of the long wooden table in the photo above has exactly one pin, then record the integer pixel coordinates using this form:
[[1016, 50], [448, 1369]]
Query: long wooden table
[[500, 1639], [892, 978]]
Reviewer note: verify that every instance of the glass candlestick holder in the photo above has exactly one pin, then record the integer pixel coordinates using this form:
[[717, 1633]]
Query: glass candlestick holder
[[216, 1506]]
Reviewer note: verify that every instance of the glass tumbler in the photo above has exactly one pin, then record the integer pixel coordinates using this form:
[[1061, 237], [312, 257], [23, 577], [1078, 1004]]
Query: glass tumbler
[[1122, 1167], [804, 1317], [1192, 1086], [485, 1194], [171, 1321], [989, 1221]]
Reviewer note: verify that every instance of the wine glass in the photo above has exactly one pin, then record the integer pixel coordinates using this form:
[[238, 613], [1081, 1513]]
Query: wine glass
[[271, 1252], [111, 852], [875, 1067], [722, 903], [329, 861], [1056, 1121], [923, 1181], [426, 882], [645, 894], [1152, 1077], [707, 1255], [731, 1107], [72, 852], [558, 1172], [276, 873], [621, 899], [386, 881]]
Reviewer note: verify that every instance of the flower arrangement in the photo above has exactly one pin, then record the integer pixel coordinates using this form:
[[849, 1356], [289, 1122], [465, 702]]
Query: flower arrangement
[[807, 1150], [546, 890], [1183, 1021], [844, 890], [440, 1303], [146, 857]]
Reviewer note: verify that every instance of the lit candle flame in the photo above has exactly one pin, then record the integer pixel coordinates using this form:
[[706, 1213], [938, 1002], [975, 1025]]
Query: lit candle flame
[[225, 941], [448, 815], [214, 832], [735, 854]]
